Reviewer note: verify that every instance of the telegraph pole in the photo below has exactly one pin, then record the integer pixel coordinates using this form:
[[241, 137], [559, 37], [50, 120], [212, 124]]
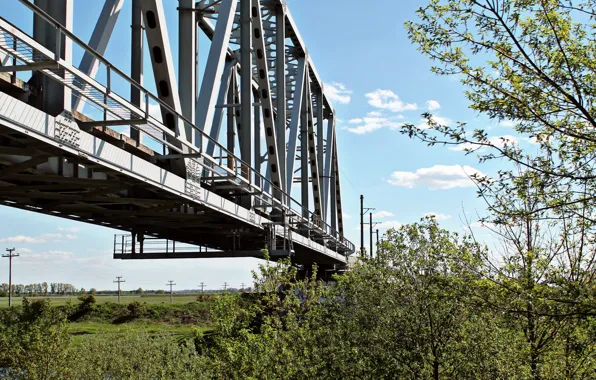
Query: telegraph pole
[[377, 236], [10, 255], [225, 286], [362, 224], [202, 287], [170, 284], [242, 286], [363, 212], [119, 280], [371, 233]]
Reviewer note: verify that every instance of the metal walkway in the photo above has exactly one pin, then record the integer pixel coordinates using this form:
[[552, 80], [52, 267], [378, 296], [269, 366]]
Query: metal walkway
[[180, 183]]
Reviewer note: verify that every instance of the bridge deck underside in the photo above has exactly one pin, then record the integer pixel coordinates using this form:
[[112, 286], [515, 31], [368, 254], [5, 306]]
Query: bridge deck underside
[[68, 187]]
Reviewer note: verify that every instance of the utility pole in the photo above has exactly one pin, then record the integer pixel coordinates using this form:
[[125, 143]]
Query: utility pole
[[170, 284], [10, 255], [377, 236], [362, 224], [371, 233], [202, 287], [242, 287], [119, 280], [363, 212], [225, 286]]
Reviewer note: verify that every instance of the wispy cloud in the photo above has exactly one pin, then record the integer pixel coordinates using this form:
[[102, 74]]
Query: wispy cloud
[[389, 224], [388, 100], [432, 105], [423, 124], [436, 177], [370, 124], [438, 216], [382, 214], [338, 92], [43, 238], [69, 229]]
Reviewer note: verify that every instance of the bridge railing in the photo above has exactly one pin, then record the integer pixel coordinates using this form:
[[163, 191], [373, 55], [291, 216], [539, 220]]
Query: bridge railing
[[106, 97]]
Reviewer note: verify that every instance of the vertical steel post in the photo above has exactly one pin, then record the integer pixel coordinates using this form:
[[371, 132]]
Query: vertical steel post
[[257, 139], [136, 61], [245, 125], [231, 133], [187, 53]]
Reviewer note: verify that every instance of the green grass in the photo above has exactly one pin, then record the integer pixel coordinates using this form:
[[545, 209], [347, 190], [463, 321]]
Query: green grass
[[149, 299], [80, 330]]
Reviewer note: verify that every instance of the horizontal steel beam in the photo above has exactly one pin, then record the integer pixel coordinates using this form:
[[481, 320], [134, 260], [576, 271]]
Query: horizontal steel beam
[[30, 67], [199, 255]]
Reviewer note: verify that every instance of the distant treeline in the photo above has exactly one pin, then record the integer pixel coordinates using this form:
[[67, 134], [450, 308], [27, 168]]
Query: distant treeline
[[45, 289]]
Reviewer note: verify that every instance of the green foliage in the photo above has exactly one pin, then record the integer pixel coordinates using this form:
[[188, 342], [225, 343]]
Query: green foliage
[[33, 341], [134, 356]]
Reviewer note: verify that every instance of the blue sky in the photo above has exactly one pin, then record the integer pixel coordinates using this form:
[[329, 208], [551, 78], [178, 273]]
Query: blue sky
[[376, 79]]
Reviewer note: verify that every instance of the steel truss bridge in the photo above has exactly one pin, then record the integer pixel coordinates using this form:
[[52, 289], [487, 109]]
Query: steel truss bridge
[[213, 160]]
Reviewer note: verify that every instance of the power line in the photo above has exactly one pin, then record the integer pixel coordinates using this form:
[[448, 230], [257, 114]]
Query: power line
[[170, 284], [119, 280], [10, 255]]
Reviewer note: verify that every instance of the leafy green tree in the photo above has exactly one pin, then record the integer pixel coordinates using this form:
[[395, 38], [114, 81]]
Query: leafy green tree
[[34, 341], [530, 63]]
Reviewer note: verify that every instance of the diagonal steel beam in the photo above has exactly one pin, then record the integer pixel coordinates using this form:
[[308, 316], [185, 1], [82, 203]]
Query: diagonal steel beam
[[280, 79], [163, 64], [313, 157], [260, 55], [294, 124], [98, 42], [215, 66], [226, 80], [328, 163]]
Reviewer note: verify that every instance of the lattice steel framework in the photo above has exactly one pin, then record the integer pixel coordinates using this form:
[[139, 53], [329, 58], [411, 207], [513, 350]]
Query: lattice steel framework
[[259, 85]]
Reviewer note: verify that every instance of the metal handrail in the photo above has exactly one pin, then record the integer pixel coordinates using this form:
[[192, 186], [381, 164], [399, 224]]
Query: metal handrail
[[61, 30]]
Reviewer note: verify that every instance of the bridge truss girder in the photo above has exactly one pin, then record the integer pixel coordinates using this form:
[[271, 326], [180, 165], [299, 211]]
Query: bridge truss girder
[[258, 71]]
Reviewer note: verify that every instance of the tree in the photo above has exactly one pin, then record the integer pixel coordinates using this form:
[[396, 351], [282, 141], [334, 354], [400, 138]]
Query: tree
[[33, 341], [139, 291], [92, 291], [530, 63]]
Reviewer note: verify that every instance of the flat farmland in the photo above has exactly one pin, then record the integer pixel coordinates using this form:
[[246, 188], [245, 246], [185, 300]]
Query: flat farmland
[[149, 299]]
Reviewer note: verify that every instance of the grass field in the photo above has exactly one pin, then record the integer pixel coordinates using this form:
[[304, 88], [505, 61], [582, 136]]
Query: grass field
[[149, 299]]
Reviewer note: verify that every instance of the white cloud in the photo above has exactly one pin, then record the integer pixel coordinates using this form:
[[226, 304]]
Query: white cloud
[[498, 141], [436, 177], [37, 240], [382, 214], [24, 250], [389, 224], [371, 124], [338, 92], [481, 224], [507, 123], [433, 105], [437, 119], [48, 255], [388, 100], [22, 239], [377, 114], [69, 229], [355, 121], [347, 216], [438, 217]]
